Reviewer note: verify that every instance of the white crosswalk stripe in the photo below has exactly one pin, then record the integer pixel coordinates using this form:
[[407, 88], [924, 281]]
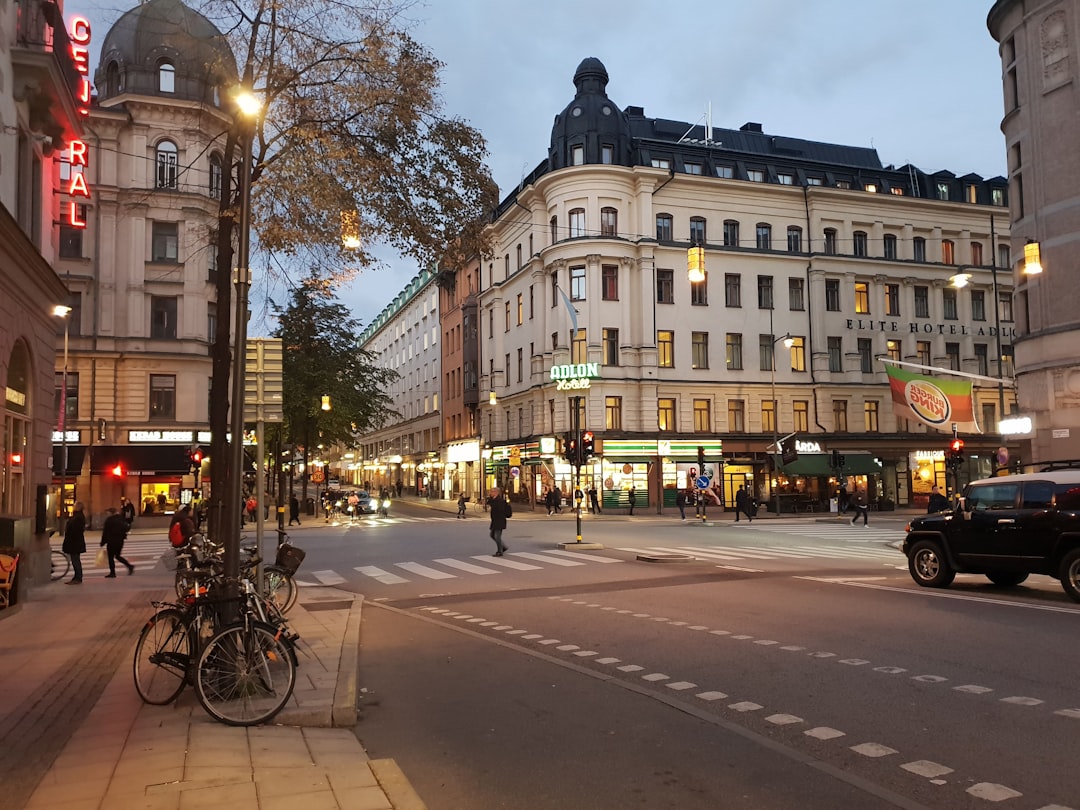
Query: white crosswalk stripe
[[545, 558], [464, 566], [507, 563], [841, 531], [425, 571], [378, 574]]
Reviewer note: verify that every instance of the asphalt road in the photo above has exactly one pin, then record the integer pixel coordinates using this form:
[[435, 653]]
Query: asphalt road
[[785, 664]]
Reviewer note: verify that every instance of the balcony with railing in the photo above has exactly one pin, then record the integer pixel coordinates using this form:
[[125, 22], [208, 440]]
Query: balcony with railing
[[46, 78]]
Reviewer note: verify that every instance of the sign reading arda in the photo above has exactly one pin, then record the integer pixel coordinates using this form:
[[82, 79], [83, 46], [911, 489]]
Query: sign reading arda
[[574, 376]]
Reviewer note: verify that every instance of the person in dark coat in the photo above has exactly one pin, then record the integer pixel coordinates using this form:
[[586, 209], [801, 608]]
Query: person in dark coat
[[742, 505], [75, 542], [127, 510], [937, 502], [594, 500], [632, 496], [294, 509], [113, 534], [500, 511], [680, 501]]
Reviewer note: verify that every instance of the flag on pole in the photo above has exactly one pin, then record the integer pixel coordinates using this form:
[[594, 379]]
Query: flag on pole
[[939, 403], [570, 309]]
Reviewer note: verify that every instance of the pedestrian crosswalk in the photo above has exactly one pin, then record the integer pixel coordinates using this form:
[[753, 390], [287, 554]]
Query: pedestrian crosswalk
[[835, 531], [480, 565]]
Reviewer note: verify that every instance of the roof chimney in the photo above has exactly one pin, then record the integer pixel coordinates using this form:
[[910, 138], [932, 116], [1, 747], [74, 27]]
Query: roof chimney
[[750, 126]]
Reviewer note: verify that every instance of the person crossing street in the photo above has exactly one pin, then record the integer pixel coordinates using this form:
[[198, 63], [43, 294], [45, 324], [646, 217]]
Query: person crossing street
[[113, 534]]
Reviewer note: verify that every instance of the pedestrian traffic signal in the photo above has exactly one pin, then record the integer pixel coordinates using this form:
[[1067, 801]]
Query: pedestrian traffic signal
[[16, 459], [118, 471], [196, 457], [570, 449], [588, 449], [838, 460]]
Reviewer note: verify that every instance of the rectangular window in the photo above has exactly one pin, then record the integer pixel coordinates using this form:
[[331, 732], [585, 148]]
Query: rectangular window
[[836, 353], [579, 347], [794, 239], [800, 415], [520, 365], [862, 298], [665, 348], [665, 415], [889, 245], [1005, 307], [71, 242], [763, 236], [692, 168], [918, 246], [660, 163], [71, 399], [609, 282], [699, 343], [736, 416], [922, 352], [997, 196], [732, 290], [977, 254], [211, 321], [830, 241], [609, 222], [922, 302], [798, 354], [796, 298], [765, 352], [726, 172], [978, 305], [948, 303], [942, 190], [577, 155], [765, 292], [607, 154], [768, 416], [982, 359], [577, 223], [734, 352], [611, 347], [785, 179], [613, 413], [577, 283], [699, 292], [697, 230], [702, 416], [832, 294], [162, 396], [664, 227], [755, 175], [894, 349], [952, 352], [859, 243], [665, 286], [892, 299], [520, 309], [870, 416], [866, 355], [947, 251], [164, 242], [506, 314], [162, 317], [839, 415], [731, 233], [1007, 369]]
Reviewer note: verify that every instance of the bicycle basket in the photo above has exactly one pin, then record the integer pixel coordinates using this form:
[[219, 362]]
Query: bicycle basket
[[289, 557]]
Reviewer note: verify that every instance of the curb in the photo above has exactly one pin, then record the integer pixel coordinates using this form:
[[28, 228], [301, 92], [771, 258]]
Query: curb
[[344, 712], [395, 785]]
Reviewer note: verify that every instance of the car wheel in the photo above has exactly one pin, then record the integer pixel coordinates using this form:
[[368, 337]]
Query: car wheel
[[928, 566], [1006, 579], [1070, 574]]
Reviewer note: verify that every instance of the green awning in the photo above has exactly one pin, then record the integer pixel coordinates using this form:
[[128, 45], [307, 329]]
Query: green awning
[[821, 464]]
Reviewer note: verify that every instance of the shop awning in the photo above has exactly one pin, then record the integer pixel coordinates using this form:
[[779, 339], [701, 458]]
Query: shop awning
[[821, 464], [138, 459], [76, 454]]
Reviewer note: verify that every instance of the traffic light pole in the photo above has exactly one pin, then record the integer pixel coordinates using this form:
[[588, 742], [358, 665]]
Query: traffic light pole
[[575, 426]]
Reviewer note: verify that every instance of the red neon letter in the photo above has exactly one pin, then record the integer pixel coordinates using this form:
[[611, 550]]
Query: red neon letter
[[77, 153], [81, 57], [80, 30], [73, 216], [77, 186]]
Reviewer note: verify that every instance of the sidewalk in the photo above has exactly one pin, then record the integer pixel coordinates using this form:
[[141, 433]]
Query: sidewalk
[[76, 736]]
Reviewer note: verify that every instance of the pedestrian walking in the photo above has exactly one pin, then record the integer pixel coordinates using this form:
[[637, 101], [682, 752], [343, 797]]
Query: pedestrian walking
[[294, 509], [113, 534], [556, 500], [742, 505], [251, 506], [187, 525], [500, 510], [632, 496], [937, 502], [594, 501], [462, 501], [861, 506], [127, 510], [680, 501], [75, 542], [842, 502]]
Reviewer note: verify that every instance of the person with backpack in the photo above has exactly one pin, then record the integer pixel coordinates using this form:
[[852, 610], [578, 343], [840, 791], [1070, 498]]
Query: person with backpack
[[182, 527], [500, 510]]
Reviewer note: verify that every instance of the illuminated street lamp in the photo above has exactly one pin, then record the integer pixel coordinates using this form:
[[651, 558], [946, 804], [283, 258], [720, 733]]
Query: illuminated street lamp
[[62, 311], [788, 343], [695, 264], [250, 107]]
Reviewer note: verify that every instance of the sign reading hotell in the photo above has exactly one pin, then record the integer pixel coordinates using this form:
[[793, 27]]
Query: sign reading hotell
[[929, 328], [575, 376]]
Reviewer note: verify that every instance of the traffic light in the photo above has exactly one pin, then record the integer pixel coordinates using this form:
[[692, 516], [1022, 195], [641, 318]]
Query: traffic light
[[956, 452], [118, 471], [587, 446], [570, 448], [701, 459], [16, 459], [196, 457], [838, 460]]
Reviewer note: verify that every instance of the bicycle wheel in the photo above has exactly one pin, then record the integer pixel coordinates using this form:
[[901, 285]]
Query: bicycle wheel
[[245, 674], [279, 587], [60, 565], [162, 656]]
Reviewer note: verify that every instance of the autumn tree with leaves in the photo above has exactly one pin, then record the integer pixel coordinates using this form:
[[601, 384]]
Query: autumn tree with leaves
[[352, 130]]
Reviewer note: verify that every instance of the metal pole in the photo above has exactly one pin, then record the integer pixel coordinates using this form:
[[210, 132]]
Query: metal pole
[[997, 322], [575, 422], [775, 422], [260, 528], [63, 431], [236, 447]]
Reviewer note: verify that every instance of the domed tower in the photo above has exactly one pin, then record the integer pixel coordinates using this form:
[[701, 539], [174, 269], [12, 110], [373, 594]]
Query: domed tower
[[591, 129], [163, 48]]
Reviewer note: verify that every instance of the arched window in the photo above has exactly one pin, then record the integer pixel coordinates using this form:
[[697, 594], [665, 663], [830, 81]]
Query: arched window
[[697, 230], [764, 236], [112, 80], [166, 165], [166, 77], [664, 227], [215, 176], [609, 222]]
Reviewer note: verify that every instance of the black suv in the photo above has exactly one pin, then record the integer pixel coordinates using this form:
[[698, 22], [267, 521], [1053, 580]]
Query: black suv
[[1005, 528]]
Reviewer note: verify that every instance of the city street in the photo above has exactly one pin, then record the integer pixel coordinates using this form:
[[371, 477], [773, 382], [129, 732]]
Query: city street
[[791, 663]]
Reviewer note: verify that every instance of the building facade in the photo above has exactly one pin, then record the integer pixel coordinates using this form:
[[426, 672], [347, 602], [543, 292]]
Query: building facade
[[587, 306], [42, 69], [142, 267], [406, 338], [1040, 61]]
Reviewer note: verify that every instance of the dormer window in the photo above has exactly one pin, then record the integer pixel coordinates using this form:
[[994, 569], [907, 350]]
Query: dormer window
[[577, 155], [112, 80], [166, 77]]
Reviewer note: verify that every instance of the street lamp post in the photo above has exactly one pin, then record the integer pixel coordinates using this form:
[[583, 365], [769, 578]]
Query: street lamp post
[[62, 311], [249, 108], [788, 342]]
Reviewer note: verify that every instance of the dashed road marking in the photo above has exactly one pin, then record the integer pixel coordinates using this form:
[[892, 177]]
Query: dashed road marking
[[993, 792], [1022, 701], [874, 750], [972, 689], [711, 695], [630, 668], [656, 676], [607, 660], [823, 733], [924, 767], [783, 719], [680, 686], [746, 706]]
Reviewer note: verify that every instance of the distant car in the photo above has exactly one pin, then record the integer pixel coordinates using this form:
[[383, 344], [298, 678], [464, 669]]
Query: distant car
[[1005, 529]]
